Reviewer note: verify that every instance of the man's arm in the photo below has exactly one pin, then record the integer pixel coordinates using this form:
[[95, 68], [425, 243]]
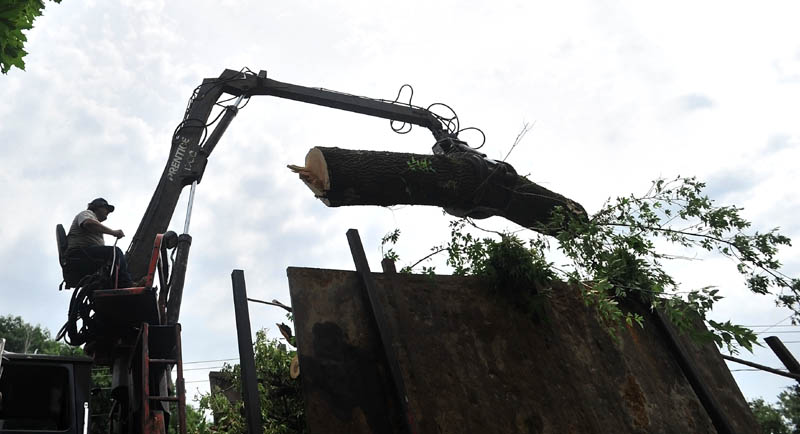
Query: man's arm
[[93, 225]]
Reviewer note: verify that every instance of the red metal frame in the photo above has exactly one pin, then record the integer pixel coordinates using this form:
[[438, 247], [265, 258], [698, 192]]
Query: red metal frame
[[151, 269], [141, 306], [154, 422]]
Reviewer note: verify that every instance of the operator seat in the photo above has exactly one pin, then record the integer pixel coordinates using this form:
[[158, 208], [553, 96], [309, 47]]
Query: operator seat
[[72, 273], [70, 280]]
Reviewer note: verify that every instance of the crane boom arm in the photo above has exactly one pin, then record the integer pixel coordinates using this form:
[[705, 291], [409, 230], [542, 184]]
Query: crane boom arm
[[191, 145]]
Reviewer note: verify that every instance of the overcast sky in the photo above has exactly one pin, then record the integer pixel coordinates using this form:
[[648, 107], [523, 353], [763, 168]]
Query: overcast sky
[[621, 93]]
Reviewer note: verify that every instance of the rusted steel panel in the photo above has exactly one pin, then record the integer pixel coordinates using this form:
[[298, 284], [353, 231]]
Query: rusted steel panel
[[474, 363]]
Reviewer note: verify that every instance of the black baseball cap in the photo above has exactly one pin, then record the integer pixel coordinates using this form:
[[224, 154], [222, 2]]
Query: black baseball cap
[[97, 203]]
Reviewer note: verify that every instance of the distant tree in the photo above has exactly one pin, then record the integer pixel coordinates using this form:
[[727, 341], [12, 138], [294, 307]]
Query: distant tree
[[22, 337], [194, 420], [282, 408], [769, 418], [16, 16], [789, 404], [101, 399], [781, 418]]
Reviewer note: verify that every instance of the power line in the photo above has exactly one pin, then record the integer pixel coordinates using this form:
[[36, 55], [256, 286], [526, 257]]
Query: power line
[[778, 323], [209, 361], [778, 332], [185, 363], [200, 369]]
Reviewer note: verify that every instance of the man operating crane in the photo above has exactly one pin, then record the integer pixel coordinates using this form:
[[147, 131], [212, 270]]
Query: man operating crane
[[86, 249]]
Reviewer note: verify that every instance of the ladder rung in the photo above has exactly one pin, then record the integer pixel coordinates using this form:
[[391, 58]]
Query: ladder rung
[[163, 398], [167, 361]]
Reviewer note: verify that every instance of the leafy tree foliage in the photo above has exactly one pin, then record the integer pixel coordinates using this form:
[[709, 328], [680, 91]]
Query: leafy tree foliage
[[282, 410], [613, 255], [194, 419], [783, 417], [15, 17], [22, 337], [769, 418], [101, 399], [789, 404]]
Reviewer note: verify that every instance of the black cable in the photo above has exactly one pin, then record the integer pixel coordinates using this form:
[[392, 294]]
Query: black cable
[[184, 124], [219, 103], [196, 94], [246, 101], [402, 128], [410, 97], [452, 122], [478, 130]]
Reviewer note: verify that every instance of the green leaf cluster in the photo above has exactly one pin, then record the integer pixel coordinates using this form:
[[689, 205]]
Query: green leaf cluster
[[620, 252], [614, 255], [514, 270], [101, 401], [15, 17], [422, 165], [282, 407], [781, 418], [390, 238]]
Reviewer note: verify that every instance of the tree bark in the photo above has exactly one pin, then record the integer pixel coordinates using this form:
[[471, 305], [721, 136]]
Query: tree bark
[[464, 185]]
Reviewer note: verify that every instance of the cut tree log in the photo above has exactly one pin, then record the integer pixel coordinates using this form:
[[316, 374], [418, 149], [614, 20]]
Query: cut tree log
[[464, 185]]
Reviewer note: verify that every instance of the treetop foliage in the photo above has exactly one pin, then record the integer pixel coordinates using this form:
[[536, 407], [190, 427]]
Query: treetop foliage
[[781, 418], [22, 337], [282, 407], [15, 17]]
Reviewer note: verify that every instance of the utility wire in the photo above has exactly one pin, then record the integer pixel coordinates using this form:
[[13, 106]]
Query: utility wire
[[209, 361], [778, 323], [755, 370], [200, 369], [778, 332]]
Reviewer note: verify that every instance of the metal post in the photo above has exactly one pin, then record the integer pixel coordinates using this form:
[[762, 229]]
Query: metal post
[[252, 405], [384, 332], [189, 208]]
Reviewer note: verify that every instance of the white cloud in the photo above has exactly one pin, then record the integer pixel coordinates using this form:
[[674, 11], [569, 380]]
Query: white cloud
[[108, 82]]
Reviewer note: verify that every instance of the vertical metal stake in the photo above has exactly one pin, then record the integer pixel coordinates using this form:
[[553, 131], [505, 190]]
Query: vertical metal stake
[[252, 405]]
